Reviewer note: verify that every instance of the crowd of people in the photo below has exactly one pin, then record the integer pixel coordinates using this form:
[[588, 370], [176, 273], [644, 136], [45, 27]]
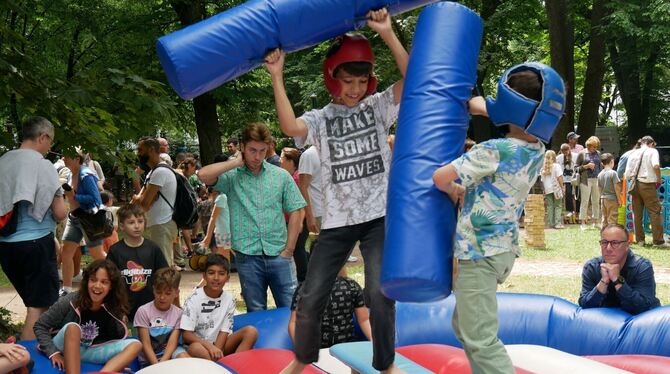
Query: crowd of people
[[585, 182], [256, 207]]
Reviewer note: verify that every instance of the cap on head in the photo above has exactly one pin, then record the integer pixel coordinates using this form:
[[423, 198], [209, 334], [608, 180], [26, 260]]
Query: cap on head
[[572, 135], [353, 48], [536, 118]]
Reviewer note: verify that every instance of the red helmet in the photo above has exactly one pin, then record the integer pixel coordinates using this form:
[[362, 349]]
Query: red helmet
[[353, 48]]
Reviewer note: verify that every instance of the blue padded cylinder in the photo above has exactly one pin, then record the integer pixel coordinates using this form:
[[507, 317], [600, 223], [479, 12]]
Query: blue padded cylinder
[[205, 55], [432, 126]]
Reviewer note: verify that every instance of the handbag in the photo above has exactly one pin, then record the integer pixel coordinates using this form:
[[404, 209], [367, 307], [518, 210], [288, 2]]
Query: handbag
[[558, 189], [96, 226]]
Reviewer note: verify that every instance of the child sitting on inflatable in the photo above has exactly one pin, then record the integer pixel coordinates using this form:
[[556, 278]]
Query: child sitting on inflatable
[[157, 321], [345, 300], [497, 176], [350, 135], [89, 325], [207, 320]]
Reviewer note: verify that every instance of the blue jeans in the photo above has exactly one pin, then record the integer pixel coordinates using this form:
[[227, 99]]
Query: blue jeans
[[258, 272], [330, 253]]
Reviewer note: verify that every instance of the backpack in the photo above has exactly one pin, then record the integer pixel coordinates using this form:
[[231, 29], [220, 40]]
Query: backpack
[[185, 209], [9, 221]]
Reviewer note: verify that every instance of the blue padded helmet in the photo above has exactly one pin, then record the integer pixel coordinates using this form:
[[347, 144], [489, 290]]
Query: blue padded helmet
[[512, 108]]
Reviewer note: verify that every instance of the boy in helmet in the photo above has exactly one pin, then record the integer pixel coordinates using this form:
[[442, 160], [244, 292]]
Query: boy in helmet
[[496, 177], [350, 136]]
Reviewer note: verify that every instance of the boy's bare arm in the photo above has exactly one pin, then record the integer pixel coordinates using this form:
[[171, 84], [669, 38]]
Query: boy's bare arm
[[290, 125], [363, 318], [190, 337], [380, 22], [220, 342], [145, 339], [444, 178], [172, 343]]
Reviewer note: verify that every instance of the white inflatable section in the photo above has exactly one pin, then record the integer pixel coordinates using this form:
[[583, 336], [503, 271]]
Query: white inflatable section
[[544, 360], [185, 366], [330, 364]]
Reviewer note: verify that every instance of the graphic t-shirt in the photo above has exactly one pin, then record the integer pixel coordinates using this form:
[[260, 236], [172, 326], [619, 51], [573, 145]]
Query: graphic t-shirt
[[337, 323], [98, 327], [355, 157], [207, 316], [497, 176], [160, 324], [137, 265]]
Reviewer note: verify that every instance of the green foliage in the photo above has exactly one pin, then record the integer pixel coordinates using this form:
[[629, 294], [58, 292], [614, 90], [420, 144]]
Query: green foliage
[[7, 327]]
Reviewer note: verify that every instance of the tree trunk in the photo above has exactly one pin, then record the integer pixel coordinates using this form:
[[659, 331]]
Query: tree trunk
[[482, 128], [561, 40], [204, 106], [625, 56], [595, 71]]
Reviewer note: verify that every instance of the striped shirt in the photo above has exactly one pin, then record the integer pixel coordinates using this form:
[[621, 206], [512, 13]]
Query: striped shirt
[[257, 204]]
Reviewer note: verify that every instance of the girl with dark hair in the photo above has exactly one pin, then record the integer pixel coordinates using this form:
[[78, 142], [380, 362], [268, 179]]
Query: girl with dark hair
[[89, 325]]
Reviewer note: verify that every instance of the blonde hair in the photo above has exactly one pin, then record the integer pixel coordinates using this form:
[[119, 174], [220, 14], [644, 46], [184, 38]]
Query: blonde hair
[[549, 160], [593, 141]]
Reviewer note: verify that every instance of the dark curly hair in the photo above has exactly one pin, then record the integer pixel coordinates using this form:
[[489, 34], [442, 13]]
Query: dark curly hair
[[116, 300]]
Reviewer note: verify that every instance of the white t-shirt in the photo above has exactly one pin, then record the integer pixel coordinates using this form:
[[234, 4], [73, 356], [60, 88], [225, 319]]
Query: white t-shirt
[[650, 159], [160, 211], [311, 165], [208, 316], [355, 157], [548, 180]]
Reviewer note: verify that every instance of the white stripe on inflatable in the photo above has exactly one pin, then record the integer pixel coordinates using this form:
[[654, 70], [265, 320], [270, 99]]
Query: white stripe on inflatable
[[185, 366], [330, 364], [544, 360]]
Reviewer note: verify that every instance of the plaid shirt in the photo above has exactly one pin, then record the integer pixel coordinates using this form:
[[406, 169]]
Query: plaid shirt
[[257, 204]]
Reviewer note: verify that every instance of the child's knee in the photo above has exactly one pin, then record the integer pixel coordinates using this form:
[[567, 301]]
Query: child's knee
[[134, 345], [72, 329], [250, 332], [24, 358]]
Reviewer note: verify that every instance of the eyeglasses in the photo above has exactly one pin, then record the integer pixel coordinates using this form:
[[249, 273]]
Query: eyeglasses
[[615, 243]]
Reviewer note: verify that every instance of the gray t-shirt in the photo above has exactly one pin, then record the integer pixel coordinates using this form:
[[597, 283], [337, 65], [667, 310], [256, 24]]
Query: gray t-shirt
[[311, 165], [355, 158], [160, 211], [606, 181]]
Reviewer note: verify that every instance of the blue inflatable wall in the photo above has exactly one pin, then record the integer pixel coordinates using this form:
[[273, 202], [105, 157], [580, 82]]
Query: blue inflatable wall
[[203, 56], [433, 122]]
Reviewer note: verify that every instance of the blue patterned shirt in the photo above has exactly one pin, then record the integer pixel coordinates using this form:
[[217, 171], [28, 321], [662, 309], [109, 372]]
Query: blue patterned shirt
[[497, 176]]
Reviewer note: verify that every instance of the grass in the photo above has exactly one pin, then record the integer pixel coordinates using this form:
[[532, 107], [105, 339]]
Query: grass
[[574, 245], [564, 287]]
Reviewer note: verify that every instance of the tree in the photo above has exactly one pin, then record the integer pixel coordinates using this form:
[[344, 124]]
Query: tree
[[561, 40], [595, 71], [639, 42]]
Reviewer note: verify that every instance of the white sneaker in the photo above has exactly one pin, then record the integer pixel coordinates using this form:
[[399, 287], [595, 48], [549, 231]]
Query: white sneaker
[[582, 227], [559, 226], [352, 259], [77, 278]]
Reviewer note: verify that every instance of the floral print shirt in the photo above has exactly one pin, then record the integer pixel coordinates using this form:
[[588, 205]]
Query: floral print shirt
[[497, 175]]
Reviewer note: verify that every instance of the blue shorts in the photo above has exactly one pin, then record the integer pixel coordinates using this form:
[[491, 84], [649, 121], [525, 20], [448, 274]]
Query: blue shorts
[[179, 350], [96, 354]]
